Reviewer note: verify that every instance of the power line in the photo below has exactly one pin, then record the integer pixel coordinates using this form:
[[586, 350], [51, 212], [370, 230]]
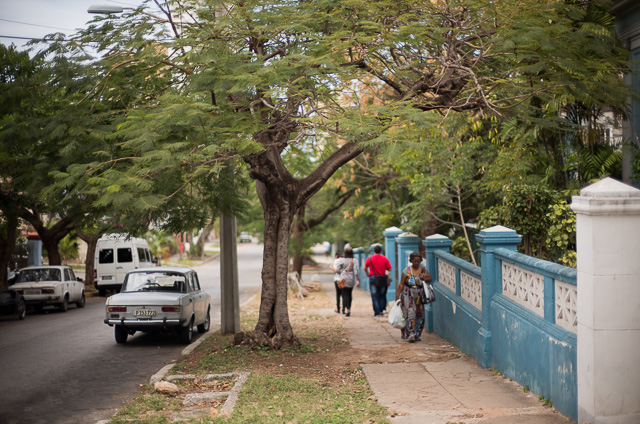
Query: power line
[[43, 26], [20, 38]]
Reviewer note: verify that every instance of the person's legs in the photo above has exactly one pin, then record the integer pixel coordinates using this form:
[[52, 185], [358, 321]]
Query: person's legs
[[346, 299], [382, 299], [338, 296], [374, 296]]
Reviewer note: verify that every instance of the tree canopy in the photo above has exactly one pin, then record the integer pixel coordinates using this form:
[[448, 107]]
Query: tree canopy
[[188, 89]]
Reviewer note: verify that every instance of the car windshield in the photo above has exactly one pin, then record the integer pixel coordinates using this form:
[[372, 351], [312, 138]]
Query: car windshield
[[38, 275], [155, 281]]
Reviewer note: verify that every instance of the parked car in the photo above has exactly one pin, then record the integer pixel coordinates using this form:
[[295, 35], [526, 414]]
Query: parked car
[[12, 303], [49, 285], [159, 299], [245, 237]]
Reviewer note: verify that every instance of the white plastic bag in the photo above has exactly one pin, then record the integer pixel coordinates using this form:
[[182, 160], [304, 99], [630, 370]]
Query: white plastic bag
[[396, 319]]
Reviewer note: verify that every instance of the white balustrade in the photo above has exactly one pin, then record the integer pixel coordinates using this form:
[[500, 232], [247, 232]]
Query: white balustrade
[[524, 287]]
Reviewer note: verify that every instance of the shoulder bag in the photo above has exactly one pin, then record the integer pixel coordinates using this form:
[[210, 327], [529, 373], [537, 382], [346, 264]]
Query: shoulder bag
[[343, 276]]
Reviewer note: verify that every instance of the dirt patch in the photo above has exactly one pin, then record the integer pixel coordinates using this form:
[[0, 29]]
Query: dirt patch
[[198, 386], [330, 360]]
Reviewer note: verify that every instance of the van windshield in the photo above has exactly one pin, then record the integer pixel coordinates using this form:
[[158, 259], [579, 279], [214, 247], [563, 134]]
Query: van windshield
[[155, 281]]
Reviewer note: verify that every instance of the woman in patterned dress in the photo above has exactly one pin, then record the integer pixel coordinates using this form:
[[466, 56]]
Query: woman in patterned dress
[[410, 295]]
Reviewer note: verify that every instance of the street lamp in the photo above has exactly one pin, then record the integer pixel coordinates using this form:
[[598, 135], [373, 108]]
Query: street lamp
[[103, 9]]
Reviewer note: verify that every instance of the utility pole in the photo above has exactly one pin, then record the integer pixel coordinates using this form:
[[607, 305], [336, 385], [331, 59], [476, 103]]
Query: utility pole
[[229, 295]]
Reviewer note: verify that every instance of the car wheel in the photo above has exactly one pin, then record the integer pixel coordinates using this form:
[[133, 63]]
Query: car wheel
[[121, 334], [204, 327], [186, 333], [82, 301], [21, 309], [64, 306]]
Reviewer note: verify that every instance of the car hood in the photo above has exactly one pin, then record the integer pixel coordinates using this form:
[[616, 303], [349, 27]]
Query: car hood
[[145, 298]]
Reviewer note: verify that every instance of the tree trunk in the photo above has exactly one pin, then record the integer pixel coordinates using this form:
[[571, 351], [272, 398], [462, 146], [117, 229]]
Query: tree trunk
[[7, 244], [89, 262], [203, 236], [281, 196], [298, 244], [51, 237], [274, 328]]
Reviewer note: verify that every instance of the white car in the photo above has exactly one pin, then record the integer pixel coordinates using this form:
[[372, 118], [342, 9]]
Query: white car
[[245, 237], [159, 299], [49, 285]]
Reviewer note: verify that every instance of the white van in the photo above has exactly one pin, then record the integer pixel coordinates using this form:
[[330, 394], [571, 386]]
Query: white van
[[117, 254]]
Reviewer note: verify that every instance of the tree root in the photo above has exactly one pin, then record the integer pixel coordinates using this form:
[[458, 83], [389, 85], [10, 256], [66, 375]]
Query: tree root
[[295, 285], [255, 340]]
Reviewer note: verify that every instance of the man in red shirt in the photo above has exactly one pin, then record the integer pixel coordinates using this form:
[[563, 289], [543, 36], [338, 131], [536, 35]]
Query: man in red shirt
[[376, 267]]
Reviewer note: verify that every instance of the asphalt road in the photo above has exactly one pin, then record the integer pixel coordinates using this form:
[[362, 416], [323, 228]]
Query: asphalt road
[[67, 368]]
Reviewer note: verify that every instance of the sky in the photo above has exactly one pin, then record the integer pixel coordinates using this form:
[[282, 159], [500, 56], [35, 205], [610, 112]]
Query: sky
[[36, 18]]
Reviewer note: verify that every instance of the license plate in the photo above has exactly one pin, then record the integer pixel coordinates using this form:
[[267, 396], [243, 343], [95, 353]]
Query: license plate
[[144, 312], [32, 291], [107, 277]]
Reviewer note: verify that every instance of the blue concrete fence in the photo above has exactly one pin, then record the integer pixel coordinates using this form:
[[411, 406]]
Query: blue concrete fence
[[514, 313]]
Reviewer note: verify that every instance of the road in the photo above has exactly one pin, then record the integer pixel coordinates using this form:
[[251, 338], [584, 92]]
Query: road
[[67, 368]]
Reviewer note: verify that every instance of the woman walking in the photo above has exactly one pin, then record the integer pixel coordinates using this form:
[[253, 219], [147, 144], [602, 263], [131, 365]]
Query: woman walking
[[410, 294], [347, 268], [336, 277]]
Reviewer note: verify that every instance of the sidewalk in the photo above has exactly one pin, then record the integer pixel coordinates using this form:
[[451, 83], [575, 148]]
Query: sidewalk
[[430, 382]]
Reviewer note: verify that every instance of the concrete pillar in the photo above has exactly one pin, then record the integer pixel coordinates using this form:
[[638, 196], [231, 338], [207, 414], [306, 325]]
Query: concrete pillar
[[229, 294], [608, 246], [407, 244], [360, 257], [34, 252], [390, 235], [432, 244], [490, 239]]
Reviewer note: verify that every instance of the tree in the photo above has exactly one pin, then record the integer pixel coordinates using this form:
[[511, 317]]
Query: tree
[[32, 143], [249, 80]]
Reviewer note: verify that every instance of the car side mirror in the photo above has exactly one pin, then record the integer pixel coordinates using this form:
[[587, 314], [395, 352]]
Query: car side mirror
[[80, 279]]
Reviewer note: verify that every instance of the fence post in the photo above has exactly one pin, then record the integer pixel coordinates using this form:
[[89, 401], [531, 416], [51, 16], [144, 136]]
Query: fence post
[[432, 244], [390, 235], [491, 274], [358, 255], [608, 246], [407, 243]]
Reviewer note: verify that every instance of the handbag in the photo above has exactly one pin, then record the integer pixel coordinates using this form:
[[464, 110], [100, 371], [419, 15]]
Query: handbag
[[428, 294], [396, 318], [381, 281], [343, 277]]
